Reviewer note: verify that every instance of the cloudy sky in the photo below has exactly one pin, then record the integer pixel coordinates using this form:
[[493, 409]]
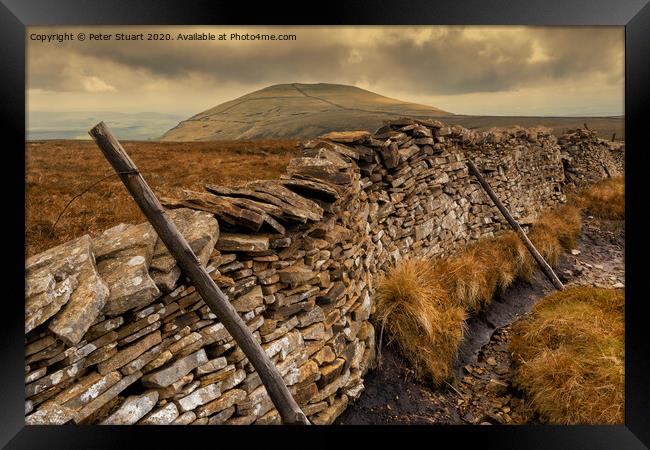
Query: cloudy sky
[[467, 70]]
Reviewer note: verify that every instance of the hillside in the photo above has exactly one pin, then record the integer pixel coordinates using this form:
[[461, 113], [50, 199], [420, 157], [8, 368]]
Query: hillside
[[297, 111]]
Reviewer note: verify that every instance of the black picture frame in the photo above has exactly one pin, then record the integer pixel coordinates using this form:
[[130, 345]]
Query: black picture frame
[[16, 15]]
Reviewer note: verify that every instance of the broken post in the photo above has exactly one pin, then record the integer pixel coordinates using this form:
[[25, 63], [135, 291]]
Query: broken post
[[187, 260], [546, 268]]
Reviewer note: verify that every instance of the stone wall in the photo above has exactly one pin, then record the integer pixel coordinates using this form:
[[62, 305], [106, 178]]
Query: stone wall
[[588, 159], [115, 334]]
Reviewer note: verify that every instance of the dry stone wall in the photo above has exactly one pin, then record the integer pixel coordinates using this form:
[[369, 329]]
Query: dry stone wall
[[588, 159], [115, 334]]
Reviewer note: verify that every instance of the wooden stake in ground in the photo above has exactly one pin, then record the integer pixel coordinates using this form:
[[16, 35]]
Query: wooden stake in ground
[[546, 268], [187, 260]]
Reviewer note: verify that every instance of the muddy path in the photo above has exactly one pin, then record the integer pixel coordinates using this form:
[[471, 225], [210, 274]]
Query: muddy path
[[482, 392]]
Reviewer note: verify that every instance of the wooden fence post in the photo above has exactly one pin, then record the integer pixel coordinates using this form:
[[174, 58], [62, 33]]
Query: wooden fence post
[[187, 260], [546, 268]]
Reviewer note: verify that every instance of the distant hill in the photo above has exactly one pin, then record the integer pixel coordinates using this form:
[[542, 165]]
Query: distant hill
[[296, 111], [75, 125]]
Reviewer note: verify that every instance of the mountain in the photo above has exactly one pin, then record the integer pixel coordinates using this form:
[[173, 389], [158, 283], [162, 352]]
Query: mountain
[[296, 110], [75, 125]]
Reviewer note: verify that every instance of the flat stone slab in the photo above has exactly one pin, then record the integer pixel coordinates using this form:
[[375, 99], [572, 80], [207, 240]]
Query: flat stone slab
[[275, 201], [276, 189], [312, 189], [200, 230], [347, 137], [295, 275], [64, 282], [163, 416], [94, 390], [133, 409], [53, 415], [128, 354], [125, 240], [249, 301], [200, 397], [225, 401], [233, 242], [108, 395], [176, 370], [129, 283]]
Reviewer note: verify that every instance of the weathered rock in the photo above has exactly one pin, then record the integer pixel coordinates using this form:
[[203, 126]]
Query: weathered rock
[[212, 366], [185, 418], [94, 390], [274, 196], [200, 230], [222, 416], [328, 416], [295, 275], [199, 397], [165, 281], [103, 399], [125, 240], [225, 401], [229, 242], [129, 353], [348, 137], [163, 416], [176, 370], [133, 409], [249, 301], [129, 283], [53, 379], [54, 415], [330, 371], [64, 281], [270, 418], [333, 294]]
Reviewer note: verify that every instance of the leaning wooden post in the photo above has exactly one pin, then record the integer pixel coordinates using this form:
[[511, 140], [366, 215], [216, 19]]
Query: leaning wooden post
[[546, 268], [187, 260]]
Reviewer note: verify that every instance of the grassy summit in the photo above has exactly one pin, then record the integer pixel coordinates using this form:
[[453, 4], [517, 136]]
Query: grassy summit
[[296, 110]]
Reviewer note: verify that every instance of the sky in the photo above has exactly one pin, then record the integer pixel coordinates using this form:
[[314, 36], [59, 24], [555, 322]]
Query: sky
[[486, 70]]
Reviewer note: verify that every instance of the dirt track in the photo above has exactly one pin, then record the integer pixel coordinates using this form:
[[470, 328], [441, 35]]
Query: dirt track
[[482, 392]]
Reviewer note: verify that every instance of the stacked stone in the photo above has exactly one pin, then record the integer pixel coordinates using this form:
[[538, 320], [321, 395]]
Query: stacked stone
[[91, 317], [116, 335], [617, 152], [302, 292], [422, 200], [588, 159]]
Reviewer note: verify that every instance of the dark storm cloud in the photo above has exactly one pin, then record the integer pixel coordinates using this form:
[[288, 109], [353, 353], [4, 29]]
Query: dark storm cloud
[[454, 63]]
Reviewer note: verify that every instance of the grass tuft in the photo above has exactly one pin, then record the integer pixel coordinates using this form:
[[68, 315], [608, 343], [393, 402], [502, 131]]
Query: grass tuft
[[604, 200], [569, 356], [412, 307], [555, 232]]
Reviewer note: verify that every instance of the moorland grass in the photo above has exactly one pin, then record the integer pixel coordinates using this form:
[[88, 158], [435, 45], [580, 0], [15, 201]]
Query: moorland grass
[[569, 356], [604, 200]]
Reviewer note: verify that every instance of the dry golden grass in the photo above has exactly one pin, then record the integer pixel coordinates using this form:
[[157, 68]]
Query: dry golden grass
[[517, 258], [604, 200], [412, 307], [556, 231], [569, 356], [421, 303], [58, 170]]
